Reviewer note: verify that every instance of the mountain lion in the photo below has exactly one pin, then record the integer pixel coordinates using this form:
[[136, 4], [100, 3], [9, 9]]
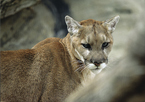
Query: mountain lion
[[55, 67], [124, 80]]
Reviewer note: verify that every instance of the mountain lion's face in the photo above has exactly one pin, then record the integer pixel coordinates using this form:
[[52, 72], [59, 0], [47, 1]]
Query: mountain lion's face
[[92, 41]]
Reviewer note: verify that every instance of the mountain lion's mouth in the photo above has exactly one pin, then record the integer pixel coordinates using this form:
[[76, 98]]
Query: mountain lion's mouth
[[94, 67], [97, 68]]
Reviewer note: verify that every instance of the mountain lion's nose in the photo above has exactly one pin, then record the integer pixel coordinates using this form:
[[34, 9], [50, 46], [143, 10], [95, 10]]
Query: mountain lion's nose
[[97, 63]]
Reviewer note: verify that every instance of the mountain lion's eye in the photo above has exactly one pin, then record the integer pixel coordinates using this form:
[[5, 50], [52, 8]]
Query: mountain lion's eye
[[87, 46], [105, 44]]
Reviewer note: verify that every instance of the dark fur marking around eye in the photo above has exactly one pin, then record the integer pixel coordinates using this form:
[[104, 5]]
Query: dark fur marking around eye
[[105, 45], [87, 46]]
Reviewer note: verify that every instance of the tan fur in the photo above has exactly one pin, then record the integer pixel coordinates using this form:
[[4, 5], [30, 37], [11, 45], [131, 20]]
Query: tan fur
[[124, 81], [52, 69], [48, 40]]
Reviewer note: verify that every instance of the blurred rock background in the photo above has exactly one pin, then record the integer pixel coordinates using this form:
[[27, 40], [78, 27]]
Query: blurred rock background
[[27, 22]]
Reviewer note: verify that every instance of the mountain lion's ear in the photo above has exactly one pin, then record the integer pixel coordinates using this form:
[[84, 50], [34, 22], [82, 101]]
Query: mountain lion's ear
[[111, 23], [72, 25]]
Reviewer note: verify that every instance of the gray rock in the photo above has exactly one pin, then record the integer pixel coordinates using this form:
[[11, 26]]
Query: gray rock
[[26, 28], [10, 7]]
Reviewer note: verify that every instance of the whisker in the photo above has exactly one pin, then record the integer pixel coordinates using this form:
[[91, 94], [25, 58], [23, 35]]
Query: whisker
[[83, 69], [80, 67]]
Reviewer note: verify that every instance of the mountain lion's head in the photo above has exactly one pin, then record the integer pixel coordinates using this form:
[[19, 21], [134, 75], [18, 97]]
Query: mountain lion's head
[[91, 41]]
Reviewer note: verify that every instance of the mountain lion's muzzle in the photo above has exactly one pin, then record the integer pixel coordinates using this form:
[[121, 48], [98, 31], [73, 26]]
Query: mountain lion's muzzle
[[97, 62]]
